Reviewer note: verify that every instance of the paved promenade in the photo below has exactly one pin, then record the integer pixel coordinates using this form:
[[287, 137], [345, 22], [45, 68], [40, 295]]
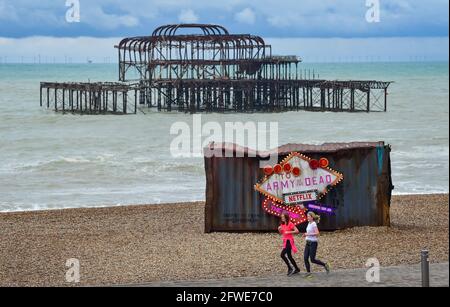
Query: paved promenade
[[400, 276]]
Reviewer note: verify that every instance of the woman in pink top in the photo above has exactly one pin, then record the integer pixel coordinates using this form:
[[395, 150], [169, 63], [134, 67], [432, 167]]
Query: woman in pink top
[[287, 229]]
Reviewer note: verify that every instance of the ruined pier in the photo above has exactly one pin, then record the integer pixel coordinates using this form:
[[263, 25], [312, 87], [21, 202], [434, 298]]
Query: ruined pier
[[203, 68], [89, 98]]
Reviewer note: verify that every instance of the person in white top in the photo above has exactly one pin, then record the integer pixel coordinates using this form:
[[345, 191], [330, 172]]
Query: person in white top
[[312, 242]]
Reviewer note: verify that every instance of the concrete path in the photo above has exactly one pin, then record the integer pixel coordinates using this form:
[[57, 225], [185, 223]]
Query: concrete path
[[401, 276]]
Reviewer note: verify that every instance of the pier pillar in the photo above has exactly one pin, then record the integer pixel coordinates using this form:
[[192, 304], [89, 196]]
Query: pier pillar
[[385, 99]]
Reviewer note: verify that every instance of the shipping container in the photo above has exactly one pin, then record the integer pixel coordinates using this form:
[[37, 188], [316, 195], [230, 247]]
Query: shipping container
[[362, 199]]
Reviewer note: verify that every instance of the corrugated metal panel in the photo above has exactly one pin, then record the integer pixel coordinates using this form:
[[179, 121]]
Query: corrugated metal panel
[[362, 199]]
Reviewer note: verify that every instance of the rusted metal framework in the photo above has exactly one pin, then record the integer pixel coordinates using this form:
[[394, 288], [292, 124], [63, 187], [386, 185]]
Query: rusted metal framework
[[216, 71], [203, 68], [89, 98], [213, 54]]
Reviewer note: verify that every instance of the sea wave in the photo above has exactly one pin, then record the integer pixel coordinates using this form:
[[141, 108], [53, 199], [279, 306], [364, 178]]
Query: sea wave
[[52, 160]]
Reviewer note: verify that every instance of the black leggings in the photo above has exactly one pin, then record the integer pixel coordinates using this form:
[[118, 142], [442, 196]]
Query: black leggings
[[310, 253], [286, 255]]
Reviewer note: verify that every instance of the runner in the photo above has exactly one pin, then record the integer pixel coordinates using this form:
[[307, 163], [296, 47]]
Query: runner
[[287, 229], [312, 242]]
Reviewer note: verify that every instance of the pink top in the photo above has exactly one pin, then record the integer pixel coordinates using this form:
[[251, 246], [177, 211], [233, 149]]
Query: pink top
[[288, 237]]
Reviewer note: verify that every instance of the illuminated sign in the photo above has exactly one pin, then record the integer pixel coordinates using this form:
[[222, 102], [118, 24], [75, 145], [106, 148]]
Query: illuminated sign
[[320, 208], [298, 175], [296, 214], [297, 180]]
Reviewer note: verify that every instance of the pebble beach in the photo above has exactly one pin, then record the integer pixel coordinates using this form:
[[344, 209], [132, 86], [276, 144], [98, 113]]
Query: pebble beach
[[151, 243]]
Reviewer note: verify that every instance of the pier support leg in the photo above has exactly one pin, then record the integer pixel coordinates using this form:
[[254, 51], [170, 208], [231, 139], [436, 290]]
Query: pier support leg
[[40, 101], [56, 100]]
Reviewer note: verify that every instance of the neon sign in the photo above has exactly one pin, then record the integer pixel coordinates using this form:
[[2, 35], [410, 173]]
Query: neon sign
[[296, 214], [298, 175], [320, 208], [297, 180]]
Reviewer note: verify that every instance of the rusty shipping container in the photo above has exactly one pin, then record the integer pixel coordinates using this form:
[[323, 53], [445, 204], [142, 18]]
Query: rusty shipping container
[[361, 199]]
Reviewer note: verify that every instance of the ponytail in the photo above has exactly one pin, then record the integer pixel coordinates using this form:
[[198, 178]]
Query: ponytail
[[315, 217]]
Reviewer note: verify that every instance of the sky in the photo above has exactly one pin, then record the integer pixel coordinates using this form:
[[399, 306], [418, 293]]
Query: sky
[[30, 27]]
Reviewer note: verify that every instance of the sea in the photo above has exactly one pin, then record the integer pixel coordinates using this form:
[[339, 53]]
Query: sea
[[54, 161]]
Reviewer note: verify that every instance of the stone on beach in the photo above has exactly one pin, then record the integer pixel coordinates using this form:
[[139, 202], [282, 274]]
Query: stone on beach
[[139, 244]]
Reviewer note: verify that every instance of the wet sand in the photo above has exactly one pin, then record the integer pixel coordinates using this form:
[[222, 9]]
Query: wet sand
[[141, 244]]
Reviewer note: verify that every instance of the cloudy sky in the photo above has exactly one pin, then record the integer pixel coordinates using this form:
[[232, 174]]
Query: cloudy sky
[[35, 25]]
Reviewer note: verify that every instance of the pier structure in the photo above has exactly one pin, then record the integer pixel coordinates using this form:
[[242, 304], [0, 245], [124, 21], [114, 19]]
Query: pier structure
[[89, 98], [204, 68]]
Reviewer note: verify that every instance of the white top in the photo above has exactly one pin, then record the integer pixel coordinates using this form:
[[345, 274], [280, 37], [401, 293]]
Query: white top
[[312, 228]]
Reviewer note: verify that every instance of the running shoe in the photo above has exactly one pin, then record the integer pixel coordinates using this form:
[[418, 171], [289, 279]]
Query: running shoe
[[327, 268]]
